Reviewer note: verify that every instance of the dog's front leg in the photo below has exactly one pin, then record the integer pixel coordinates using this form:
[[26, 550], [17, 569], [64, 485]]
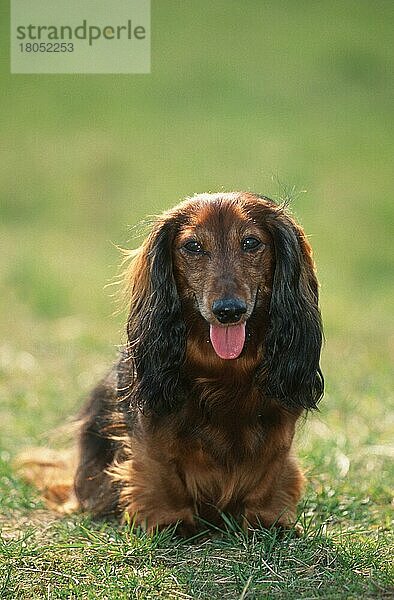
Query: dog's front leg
[[274, 501], [152, 494]]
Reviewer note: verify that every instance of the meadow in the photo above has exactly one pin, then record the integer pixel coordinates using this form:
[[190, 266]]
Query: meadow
[[289, 99]]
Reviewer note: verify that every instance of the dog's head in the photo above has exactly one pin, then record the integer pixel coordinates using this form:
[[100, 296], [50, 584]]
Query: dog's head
[[226, 277]]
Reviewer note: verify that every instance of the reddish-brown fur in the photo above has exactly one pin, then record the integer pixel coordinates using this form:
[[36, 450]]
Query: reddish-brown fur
[[216, 442]]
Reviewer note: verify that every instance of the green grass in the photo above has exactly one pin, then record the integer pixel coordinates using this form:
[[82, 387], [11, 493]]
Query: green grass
[[272, 97], [102, 562]]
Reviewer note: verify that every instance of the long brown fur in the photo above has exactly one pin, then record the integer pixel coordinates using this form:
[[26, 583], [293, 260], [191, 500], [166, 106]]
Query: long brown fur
[[176, 434]]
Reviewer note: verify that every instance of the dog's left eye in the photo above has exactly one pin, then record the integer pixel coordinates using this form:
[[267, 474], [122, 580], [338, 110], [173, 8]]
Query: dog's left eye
[[251, 243], [194, 246]]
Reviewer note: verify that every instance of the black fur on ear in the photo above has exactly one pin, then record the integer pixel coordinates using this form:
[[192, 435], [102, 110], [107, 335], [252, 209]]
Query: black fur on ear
[[290, 371], [149, 370]]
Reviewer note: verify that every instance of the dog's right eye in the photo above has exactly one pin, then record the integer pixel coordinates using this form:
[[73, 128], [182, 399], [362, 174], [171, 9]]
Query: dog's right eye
[[194, 247]]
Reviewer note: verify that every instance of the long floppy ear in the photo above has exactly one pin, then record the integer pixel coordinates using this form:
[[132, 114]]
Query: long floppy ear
[[290, 371], [149, 370]]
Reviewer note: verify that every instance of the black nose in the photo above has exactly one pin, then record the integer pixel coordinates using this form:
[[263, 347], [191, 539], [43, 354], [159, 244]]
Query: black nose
[[228, 310]]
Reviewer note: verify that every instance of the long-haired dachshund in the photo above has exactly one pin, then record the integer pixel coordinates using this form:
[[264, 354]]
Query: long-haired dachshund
[[222, 357]]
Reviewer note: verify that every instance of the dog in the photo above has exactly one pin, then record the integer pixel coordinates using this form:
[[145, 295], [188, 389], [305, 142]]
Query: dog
[[224, 334]]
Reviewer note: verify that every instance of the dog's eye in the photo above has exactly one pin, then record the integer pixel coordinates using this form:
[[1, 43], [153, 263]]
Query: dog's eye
[[194, 246], [251, 243]]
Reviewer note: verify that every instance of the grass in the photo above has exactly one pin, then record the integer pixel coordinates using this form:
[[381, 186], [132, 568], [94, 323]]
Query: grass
[[87, 560], [274, 97]]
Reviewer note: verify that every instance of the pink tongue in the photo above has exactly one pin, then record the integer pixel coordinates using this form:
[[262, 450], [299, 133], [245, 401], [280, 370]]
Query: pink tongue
[[228, 341]]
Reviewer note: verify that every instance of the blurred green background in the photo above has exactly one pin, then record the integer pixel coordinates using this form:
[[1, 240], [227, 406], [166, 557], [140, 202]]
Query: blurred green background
[[277, 97]]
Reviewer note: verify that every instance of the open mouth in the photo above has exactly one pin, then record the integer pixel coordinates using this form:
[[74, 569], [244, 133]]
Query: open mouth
[[227, 341]]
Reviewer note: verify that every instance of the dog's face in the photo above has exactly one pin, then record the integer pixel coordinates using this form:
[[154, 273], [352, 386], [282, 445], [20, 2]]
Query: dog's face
[[224, 263], [234, 270]]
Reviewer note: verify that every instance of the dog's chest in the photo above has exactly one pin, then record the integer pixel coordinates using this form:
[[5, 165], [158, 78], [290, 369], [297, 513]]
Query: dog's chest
[[223, 466]]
